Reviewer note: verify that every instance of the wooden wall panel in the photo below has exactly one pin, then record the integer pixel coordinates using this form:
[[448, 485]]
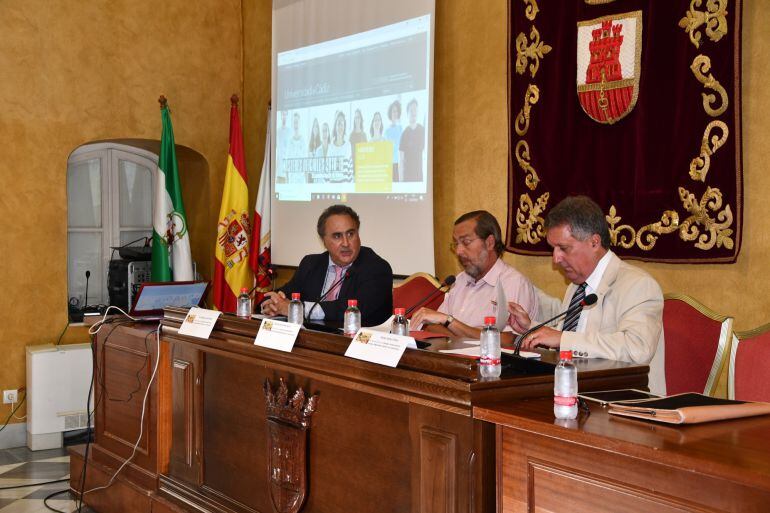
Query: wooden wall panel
[[184, 459], [438, 471]]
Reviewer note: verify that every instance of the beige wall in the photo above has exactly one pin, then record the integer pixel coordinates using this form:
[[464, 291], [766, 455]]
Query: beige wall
[[74, 72], [78, 71]]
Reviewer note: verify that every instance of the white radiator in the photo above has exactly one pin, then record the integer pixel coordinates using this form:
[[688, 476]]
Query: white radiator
[[58, 380]]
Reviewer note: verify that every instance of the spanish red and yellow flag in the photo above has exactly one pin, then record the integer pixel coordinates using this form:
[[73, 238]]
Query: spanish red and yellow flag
[[231, 257]]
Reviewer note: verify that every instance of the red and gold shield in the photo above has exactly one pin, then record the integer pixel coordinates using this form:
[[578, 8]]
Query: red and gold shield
[[609, 51]]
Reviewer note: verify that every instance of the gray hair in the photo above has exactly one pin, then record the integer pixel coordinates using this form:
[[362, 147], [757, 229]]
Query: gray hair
[[583, 216]]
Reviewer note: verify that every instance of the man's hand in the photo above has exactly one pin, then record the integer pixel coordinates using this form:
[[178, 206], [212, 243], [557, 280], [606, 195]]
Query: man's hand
[[545, 337], [425, 316], [275, 304], [519, 319]]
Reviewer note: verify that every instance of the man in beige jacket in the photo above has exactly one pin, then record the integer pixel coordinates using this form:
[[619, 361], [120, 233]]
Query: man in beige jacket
[[625, 323]]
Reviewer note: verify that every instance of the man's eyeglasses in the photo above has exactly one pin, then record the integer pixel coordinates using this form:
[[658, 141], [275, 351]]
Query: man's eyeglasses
[[463, 242]]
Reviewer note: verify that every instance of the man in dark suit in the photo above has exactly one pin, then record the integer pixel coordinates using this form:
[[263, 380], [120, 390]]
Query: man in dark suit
[[344, 271]]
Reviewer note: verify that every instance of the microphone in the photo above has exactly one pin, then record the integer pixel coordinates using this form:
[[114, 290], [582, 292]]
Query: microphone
[[85, 301], [325, 294], [448, 281], [272, 274], [587, 301]]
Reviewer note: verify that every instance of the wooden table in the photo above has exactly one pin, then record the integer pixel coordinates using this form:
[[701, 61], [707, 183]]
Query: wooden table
[[380, 439], [602, 463]]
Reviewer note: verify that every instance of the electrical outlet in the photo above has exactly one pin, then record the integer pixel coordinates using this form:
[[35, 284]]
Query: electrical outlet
[[10, 396]]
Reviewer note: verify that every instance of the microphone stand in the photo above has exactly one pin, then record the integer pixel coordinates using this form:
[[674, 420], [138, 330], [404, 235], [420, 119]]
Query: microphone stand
[[448, 281], [85, 300], [587, 301], [325, 294]]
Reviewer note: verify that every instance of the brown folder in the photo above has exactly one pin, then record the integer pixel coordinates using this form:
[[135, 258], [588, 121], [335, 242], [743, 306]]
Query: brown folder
[[688, 409]]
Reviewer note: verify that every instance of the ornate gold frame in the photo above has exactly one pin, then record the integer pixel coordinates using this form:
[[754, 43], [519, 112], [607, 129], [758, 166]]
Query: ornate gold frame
[[433, 281]]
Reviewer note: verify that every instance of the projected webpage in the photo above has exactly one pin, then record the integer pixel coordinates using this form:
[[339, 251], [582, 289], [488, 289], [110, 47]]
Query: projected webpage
[[353, 114]]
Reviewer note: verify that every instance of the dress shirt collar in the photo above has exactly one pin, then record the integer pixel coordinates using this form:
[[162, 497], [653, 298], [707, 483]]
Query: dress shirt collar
[[492, 275], [333, 265], [593, 281]]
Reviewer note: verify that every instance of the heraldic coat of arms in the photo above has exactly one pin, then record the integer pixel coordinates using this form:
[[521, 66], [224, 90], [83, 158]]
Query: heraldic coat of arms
[[288, 421], [609, 51]]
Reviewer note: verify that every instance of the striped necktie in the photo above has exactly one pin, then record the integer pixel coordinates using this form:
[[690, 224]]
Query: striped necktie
[[571, 321]]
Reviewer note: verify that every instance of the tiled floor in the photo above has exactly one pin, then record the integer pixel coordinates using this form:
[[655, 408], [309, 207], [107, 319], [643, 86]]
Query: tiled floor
[[21, 466]]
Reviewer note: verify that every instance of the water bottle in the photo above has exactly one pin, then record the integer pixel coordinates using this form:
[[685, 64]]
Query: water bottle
[[489, 365], [296, 309], [243, 308], [352, 322], [565, 388], [399, 326]]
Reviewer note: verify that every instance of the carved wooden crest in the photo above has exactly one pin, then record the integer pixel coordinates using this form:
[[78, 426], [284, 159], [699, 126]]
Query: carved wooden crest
[[287, 423]]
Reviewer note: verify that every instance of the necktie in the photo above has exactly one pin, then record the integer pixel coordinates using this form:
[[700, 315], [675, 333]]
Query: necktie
[[571, 321], [335, 292]]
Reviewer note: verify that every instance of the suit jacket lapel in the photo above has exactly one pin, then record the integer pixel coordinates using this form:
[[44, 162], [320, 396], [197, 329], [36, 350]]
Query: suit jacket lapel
[[608, 279], [319, 275]]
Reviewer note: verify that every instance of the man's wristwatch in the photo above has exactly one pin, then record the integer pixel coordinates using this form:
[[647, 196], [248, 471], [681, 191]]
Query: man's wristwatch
[[449, 320]]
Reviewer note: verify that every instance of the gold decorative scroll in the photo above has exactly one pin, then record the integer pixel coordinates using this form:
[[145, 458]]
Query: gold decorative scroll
[[526, 50], [522, 157], [700, 66], [627, 237], [714, 18], [529, 222], [715, 231], [532, 9], [531, 96], [699, 166]]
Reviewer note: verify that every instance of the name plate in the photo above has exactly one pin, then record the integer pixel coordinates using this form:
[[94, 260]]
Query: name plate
[[378, 347], [199, 322], [278, 335]]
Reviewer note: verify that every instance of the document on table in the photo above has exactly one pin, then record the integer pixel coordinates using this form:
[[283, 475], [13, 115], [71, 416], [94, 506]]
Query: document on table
[[474, 351]]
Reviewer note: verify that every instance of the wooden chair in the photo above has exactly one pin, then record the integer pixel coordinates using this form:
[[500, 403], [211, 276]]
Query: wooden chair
[[415, 288], [697, 341], [749, 371]]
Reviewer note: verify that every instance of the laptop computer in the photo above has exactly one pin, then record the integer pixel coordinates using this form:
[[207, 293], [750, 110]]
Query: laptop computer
[[152, 297]]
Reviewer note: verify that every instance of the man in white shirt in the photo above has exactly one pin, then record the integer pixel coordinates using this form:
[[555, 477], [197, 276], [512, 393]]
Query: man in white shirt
[[478, 245], [626, 323]]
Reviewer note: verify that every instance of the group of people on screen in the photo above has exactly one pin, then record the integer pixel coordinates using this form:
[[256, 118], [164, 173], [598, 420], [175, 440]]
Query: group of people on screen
[[625, 322], [338, 138]]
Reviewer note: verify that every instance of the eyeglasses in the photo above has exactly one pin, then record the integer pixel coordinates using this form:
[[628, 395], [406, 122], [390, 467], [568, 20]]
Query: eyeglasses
[[463, 242]]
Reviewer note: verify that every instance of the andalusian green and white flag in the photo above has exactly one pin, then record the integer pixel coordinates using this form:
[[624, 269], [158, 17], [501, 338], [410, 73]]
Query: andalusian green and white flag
[[171, 257]]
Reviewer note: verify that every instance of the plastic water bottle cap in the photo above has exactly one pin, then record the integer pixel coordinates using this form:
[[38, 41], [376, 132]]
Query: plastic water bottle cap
[[565, 355], [352, 302], [399, 311], [295, 296], [244, 290], [490, 320]]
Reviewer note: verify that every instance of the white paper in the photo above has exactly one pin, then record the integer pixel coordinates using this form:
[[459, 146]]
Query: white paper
[[502, 307], [377, 347], [384, 327], [199, 322], [278, 335], [475, 351], [523, 354]]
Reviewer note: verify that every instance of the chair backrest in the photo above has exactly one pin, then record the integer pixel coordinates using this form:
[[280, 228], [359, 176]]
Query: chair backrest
[[749, 373], [415, 288], [697, 341]]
